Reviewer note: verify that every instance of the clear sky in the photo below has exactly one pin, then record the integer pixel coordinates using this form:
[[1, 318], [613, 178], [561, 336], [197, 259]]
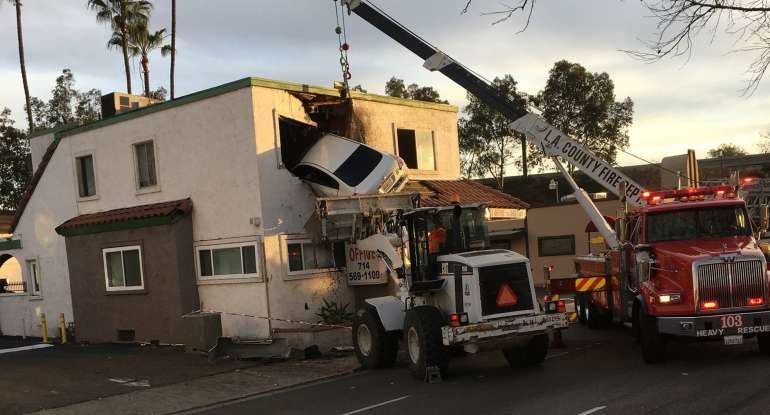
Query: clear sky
[[679, 104]]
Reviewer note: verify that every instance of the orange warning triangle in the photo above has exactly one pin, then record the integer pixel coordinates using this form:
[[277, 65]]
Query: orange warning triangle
[[506, 297]]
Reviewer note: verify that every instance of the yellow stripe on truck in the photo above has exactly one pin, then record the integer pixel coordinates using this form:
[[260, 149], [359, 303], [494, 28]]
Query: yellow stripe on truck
[[590, 284]]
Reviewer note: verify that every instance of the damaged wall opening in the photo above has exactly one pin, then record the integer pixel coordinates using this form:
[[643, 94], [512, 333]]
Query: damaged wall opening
[[296, 139], [416, 147]]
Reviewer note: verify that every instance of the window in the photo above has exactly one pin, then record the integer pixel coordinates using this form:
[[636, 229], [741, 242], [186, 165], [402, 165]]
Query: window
[[416, 147], [358, 166], [86, 180], [145, 164], [231, 261], [314, 175], [34, 276], [123, 268], [556, 245], [689, 224], [304, 256]]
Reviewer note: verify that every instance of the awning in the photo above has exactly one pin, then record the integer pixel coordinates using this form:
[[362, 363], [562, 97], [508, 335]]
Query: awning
[[126, 218]]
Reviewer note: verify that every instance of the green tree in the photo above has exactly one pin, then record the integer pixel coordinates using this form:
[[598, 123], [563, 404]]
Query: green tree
[[141, 42], [487, 145], [121, 15], [727, 150], [764, 143], [15, 162], [396, 88], [67, 105], [22, 63], [582, 105]]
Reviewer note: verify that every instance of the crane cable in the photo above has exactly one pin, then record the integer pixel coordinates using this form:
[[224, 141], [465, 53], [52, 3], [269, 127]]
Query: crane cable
[[342, 37]]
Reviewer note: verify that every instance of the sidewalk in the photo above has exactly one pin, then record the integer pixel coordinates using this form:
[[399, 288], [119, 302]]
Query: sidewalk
[[213, 389]]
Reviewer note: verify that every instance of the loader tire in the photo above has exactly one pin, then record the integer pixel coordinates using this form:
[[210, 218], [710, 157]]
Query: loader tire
[[375, 348], [530, 355], [763, 340], [652, 341], [423, 340]]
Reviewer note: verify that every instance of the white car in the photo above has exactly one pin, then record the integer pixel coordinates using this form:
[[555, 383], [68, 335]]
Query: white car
[[337, 166]]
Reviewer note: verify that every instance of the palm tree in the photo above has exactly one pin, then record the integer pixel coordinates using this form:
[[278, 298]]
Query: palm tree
[[23, 65], [140, 43], [121, 15], [173, 45]]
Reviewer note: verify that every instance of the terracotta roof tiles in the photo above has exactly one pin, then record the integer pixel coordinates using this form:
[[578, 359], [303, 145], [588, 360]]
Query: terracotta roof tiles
[[154, 210]]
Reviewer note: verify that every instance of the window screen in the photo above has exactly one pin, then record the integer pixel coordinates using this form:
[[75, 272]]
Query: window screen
[[145, 164], [556, 245], [86, 181]]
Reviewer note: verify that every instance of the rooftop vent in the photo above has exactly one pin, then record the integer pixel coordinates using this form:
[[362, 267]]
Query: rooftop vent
[[117, 103]]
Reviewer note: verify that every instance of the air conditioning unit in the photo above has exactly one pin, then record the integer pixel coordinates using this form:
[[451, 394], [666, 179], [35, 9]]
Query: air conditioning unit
[[117, 102]]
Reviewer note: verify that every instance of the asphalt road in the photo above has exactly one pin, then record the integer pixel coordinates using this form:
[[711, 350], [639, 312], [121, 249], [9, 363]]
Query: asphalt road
[[599, 372]]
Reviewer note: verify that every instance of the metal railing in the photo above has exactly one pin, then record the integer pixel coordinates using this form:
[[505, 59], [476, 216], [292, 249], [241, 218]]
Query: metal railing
[[12, 287]]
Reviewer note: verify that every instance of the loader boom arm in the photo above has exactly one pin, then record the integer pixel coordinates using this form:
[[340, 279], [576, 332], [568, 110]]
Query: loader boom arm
[[553, 142]]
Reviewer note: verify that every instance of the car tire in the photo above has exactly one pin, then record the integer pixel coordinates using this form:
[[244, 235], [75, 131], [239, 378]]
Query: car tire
[[530, 355], [653, 343], [375, 348], [423, 341]]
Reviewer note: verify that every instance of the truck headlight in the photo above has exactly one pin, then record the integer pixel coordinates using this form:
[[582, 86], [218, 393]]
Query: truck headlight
[[670, 298]]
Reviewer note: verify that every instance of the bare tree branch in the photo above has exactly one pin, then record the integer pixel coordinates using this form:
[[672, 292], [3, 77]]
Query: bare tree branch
[[680, 22]]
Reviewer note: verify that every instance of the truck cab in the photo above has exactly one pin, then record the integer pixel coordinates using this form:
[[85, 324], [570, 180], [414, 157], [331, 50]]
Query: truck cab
[[691, 267]]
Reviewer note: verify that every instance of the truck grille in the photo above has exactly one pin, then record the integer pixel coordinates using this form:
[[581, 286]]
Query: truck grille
[[491, 281], [731, 284]]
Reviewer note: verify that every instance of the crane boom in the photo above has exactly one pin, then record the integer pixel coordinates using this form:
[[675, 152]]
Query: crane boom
[[552, 141]]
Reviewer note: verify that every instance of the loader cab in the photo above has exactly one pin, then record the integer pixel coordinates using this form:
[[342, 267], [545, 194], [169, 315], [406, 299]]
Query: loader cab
[[433, 232]]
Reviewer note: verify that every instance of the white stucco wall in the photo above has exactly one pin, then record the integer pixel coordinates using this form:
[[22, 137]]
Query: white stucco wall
[[204, 150], [52, 202]]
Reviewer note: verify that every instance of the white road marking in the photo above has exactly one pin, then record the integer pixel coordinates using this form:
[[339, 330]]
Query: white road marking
[[376, 405], [557, 355], [592, 410], [23, 348]]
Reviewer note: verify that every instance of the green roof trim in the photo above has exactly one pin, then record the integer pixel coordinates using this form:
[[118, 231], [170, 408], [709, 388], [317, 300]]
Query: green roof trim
[[119, 226], [64, 131], [10, 244]]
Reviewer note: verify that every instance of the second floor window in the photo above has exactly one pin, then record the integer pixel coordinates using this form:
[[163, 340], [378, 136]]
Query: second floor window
[[145, 164], [416, 147], [86, 179]]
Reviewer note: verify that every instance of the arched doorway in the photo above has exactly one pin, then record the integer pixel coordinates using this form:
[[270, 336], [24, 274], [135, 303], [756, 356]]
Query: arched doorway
[[11, 280]]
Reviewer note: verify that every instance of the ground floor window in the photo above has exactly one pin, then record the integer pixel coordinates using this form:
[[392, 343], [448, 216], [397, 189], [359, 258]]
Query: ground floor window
[[123, 268], [228, 261], [34, 276], [304, 256], [556, 245]]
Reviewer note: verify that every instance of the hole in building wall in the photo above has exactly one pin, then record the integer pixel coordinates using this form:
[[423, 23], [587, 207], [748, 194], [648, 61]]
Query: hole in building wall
[[128, 335]]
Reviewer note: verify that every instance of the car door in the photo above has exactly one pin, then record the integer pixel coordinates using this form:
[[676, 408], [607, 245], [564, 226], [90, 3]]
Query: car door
[[322, 182]]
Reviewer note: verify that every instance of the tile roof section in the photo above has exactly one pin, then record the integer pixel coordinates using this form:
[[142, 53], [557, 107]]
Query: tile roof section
[[442, 192], [155, 210]]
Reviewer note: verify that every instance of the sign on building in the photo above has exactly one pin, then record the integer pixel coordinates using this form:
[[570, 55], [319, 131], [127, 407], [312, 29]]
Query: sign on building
[[365, 267]]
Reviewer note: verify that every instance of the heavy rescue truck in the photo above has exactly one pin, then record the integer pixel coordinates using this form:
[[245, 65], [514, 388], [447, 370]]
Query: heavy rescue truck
[[688, 268]]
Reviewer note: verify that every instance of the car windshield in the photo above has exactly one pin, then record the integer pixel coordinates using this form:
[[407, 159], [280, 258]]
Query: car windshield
[[688, 224], [358, 166]]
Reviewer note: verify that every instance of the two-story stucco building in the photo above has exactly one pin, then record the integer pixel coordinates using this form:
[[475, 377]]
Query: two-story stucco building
[[141, 217]]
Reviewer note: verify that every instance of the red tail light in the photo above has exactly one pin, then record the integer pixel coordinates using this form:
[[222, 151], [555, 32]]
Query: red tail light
[[561, 306], [454, 320], [709, 305], [756, 301]]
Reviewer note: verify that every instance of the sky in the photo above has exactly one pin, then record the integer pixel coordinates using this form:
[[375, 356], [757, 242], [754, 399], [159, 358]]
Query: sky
[[680, 104]]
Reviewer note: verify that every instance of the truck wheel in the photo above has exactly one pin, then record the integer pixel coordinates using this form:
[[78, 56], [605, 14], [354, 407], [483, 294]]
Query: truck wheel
[[530, 355], [375, 348], [763, 339], [581, 309], [652, 341], [423, 340]]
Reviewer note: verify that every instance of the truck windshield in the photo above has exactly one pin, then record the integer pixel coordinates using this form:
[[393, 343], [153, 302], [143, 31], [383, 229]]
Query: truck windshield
[[687, 224], [466, 232]]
